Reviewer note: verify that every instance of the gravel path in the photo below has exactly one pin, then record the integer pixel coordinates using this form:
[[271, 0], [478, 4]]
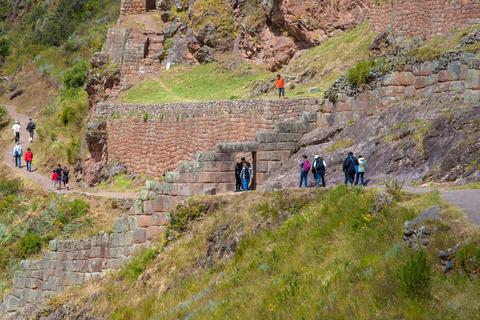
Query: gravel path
[[40, 180], [468, 200]]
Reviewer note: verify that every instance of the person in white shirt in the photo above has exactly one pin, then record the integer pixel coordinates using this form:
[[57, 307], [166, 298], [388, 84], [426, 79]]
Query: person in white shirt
[[319, 167], [17, 155], [16, 131]]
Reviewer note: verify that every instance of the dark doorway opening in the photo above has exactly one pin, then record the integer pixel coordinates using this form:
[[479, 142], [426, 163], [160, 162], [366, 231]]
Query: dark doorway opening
[[151, 5], [251, 158]]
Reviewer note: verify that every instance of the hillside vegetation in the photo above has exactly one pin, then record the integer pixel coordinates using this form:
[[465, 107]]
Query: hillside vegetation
[[335, 254]]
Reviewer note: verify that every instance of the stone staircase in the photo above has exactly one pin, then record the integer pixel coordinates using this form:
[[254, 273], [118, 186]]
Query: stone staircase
[[70, 263]]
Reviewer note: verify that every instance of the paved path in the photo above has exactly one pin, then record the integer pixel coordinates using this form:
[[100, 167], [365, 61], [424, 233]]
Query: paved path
[[468, 200], [40, 180]]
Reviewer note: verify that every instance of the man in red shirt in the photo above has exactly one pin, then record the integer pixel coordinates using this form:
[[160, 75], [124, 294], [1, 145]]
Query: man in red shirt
[[28, 159], [280, 86]]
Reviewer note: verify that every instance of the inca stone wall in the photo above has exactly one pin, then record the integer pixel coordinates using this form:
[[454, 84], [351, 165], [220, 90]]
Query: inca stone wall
[[153, 139], [423, 18], [137, 6], [420, 80]]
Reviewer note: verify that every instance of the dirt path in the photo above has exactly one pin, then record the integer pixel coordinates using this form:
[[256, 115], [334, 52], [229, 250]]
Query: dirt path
[[36, 177], [468, 200]]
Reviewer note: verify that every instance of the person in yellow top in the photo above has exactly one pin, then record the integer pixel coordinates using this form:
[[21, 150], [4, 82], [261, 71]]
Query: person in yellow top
[[281, 86]]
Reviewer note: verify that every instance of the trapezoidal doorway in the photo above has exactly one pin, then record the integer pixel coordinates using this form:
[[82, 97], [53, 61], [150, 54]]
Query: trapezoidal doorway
[[151, 5]]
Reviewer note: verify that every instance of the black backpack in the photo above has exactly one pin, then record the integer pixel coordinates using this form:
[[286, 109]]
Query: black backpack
[[319, 166]]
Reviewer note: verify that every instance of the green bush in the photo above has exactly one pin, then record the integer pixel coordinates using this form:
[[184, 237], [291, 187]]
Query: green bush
[[415, 276], [138, 264], [360, 72], [10, 186], [76, 76], [30, 244], [468, 258], [185, 213], [4, 48]]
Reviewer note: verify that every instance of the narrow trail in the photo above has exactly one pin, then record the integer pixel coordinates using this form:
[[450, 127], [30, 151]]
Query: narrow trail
[[36, 177]]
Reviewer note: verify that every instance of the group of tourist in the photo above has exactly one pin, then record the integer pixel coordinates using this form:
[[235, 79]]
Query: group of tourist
[[243, 175], [353, 168], [60, 177], [18, 150]]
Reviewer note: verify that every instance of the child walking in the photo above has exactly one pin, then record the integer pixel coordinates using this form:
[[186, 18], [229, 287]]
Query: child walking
[[55, 181]]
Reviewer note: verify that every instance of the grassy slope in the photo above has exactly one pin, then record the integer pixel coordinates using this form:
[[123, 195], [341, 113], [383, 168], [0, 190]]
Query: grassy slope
[[331, 260], [232, 79]]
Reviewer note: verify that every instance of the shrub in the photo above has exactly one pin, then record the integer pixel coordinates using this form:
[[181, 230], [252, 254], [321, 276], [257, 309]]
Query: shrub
[[186, 213], [10, 186], [138, 264], [4, 48], [145, 116], [468, 258], [30, 244], [360, 72], [76, 76], [415, 276]]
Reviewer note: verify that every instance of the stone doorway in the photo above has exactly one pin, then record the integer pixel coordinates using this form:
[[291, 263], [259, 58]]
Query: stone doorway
[[151, 5], [250, 157]]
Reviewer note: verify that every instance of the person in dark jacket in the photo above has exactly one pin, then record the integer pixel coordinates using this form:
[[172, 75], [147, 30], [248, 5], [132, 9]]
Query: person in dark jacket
[[31, 126], [350, 165], [318, 168], [238, 180], [59, 171]]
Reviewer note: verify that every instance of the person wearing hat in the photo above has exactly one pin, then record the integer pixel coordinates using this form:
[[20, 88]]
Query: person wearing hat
[[318, 169], [16, 131]]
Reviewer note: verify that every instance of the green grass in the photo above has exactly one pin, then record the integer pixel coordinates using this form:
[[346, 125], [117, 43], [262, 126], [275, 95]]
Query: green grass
[[321, 255], [198, 83]]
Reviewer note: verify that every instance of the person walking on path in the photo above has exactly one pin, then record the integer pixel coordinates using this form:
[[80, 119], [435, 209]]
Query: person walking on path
[[280, 86], [17, 155], [350, 168], [238, 180], [65, 178], [55, 179], [59, 171], [362, 168], [29, 159], [31, 126], [246, 175], [305, 168], [319, 167], [16, 131]]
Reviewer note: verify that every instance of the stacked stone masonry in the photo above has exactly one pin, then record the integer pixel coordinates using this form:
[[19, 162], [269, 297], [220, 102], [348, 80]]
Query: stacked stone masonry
[[137, 6], [419, 80], [153, 139], [423, 18]]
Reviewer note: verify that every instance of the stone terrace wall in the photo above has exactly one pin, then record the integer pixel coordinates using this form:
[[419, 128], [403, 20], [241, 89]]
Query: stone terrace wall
[[423, 18], [133, 6], [420, 80], [175, 132]]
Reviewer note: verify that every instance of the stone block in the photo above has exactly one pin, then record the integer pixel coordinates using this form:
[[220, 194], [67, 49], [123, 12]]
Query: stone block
[[154, 232], [137, 236], [472, 96], [267, 147], [151, 206], [289, 137], [402, 79], [287, 146], [12, 303], [273, 165], [267, 137], [423, 69], [262, 178], [219, 166], [225, 187], [160, 219], [233, 147], [119, 226], [427, 81], [292, 127], [262, 166], [214, 156], [214, 177], [144, 221], [473, 79], [53, 245]]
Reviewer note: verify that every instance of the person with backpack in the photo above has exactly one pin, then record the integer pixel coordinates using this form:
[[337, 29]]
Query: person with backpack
[[28, 159], [319, 167], [31, 126], [305, 168], [362, 167], [238, 180], [280, 86], [246, 175], [65, 177], [17, 155], [16, 131], [350, 168]]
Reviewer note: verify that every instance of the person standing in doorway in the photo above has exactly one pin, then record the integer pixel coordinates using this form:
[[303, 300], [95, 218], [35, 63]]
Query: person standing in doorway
[[350, 168], [29, 159], [280, 86], [362, 168], [305, 168], [17, 155], [246, 175], [65, 178], [238, 180], [319, 167], [16, 131], [31, 126]]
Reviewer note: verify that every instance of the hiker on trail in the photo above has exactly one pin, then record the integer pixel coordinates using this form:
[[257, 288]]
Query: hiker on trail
[[59, 171], [65, 177], [16, 131], [238, 180], [246, 175], [55, 179], [350, 168], [319, 167], [305, 168], [362, 167], [280, 86], [28, 159], [17, 155], [31, 126]]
